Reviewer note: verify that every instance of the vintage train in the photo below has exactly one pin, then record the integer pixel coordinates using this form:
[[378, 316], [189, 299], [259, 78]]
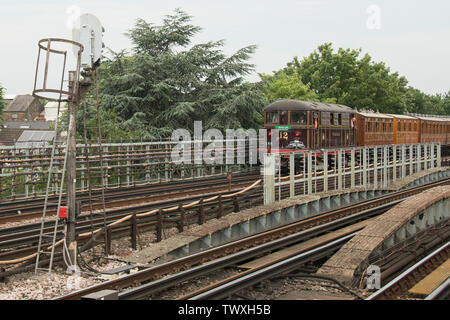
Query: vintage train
[[316, 125]]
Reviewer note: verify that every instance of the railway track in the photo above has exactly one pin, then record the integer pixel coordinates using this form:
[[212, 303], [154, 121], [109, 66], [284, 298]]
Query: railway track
[[399, 286], [27, 235], [21, 241], [264, 242], [24, 237], [32, 208]]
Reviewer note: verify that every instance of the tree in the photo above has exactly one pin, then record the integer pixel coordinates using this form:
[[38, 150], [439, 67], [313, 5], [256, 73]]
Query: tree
[[286, 85], [164, 85], [419, 102], [347, 78], [445, 103]]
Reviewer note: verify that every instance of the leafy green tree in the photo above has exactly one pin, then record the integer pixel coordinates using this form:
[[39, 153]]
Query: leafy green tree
[[286, 85], [445, 103], [347, 78], [417, 101], [164, 84]]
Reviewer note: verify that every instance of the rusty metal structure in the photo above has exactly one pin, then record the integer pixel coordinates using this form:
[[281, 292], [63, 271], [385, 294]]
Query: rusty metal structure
[[42, 89]]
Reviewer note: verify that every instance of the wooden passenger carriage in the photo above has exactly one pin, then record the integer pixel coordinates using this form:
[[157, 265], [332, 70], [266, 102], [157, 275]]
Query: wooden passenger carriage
[[312, 124], [433, 129], [406, 129], [374, 129]]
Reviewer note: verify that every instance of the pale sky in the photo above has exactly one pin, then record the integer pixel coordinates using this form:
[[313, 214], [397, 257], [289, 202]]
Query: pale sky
[[412, 37]]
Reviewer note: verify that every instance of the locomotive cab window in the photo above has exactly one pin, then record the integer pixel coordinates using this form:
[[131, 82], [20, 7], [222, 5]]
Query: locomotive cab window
[[283, 117], [272, 117], [298, 117]]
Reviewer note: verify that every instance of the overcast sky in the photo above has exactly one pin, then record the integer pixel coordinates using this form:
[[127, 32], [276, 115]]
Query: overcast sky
[[412, 37]]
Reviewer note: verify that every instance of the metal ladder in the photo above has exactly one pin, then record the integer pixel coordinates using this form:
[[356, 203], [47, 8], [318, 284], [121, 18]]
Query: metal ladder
[[53, 234]]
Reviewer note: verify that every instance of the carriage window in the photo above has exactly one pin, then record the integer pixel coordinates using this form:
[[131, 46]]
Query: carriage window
[[272, 117], [336, 120], [283, 117], [298, 117], [332, 119], [325, 119], [346, 119], [339, 119]]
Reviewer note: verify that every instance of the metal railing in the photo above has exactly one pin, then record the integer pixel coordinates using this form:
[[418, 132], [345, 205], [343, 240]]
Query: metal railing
[[337, 169]]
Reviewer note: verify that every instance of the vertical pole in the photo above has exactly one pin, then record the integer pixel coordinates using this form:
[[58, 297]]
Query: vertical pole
[[438, 155], [385, 165], [108, 240], [340, 173], [375, 167], [309, 172], [201, 213], [27, 177], [166, 169], [159, 226], [365, 168], [134, 232], [182, 218], [403, 161], [279, 178], [325, 170], [236, 204], [147, 168], [315, 172], [411, 171], [418, 152], [432, 156], [394, 163], [83, 166], [105, 151], [71, 174], [352, 172], [425, 156], [291, 174], [269, 179], [128, 165]]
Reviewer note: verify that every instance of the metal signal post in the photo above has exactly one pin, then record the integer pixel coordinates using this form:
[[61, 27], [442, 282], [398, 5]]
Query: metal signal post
[[87, 46]]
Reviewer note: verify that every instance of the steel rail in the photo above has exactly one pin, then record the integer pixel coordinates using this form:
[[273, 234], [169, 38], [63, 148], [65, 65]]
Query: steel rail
[[24, 206], [440, 293], [312, 229], [285, 266], [409, 191], [175, 279], [26, 234], [380, 292], [28, 239]]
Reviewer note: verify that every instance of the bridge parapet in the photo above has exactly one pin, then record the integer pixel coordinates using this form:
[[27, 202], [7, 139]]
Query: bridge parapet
[[389, 232]]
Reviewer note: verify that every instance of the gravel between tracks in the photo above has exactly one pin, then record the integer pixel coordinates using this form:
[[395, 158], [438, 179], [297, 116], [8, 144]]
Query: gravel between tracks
[[42, 286], [298, 289]]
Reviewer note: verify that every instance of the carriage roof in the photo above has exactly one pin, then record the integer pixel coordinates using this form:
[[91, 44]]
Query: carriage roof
[[431, 118], [401, 116], [369, 114], [298, 105]]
